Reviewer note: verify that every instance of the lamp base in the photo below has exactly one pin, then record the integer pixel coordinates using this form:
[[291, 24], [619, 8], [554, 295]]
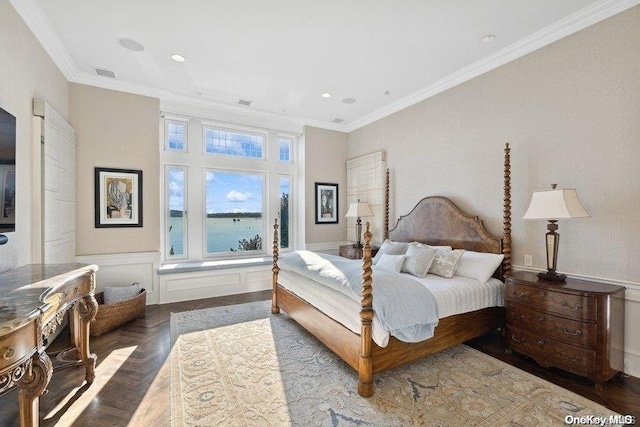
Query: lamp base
[[552, 276]]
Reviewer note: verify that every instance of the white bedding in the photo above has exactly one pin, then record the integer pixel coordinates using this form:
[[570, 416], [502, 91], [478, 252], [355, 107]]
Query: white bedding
[[454, 296]]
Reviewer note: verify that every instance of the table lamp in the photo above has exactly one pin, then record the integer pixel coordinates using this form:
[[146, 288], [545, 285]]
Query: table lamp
[[553, 205], [358, 210]]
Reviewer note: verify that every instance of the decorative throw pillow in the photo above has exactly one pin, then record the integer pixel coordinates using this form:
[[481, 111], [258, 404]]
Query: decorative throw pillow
[[392, 262], [478, 265], [391, 248], [445, 262], [418, 260], [113, 294], [437, 248]]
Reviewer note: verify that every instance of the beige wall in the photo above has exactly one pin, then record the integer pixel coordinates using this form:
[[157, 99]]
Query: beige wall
[[325, 161], [572, 114], [26, 72], [116, 130]]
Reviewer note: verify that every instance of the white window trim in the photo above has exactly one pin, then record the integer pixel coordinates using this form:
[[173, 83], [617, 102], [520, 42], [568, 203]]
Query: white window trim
[[169, 120]]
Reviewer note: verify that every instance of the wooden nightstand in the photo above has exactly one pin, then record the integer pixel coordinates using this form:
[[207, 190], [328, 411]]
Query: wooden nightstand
[[576, 325], [353, 252]]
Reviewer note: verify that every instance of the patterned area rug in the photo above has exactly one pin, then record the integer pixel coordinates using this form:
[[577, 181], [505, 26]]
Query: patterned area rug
[[241, 366]]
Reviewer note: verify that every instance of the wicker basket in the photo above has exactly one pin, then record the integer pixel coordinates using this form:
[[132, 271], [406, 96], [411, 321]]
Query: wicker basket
[[110, 316]]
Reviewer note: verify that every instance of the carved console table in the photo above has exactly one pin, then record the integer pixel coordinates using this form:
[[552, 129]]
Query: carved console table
[[33, 300]]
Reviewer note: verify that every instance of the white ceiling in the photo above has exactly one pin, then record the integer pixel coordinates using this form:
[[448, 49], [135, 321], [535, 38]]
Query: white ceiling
[[283, 54]]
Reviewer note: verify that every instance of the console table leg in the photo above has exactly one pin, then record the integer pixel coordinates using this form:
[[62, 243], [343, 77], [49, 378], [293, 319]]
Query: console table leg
[[83, 313], [33, 384]]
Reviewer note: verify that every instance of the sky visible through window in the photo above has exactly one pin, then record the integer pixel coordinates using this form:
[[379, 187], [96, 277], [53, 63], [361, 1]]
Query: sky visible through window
[[234, 192]]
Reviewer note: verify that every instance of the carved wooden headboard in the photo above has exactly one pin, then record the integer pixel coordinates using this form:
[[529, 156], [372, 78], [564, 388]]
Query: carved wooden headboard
[[437, 221]]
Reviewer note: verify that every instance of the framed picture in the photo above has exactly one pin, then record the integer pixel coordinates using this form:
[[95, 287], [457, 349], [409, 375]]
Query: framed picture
[[326, 203], [118, 198]]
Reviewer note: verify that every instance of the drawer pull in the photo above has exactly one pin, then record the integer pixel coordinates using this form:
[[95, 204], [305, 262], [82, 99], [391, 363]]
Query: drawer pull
[[519, 295], [541, 318], [576, 307], [573, 359], [541, 342], [513, 337], [541, 294], [577, 332], [8, 353], [515, 316]]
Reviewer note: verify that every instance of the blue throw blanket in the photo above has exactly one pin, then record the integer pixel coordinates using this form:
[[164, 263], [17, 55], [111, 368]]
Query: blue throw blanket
[[404, 306]]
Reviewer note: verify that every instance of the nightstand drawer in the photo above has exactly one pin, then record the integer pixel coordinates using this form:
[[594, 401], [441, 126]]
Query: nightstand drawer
[[554, 327], [561, 355], [577, 307]]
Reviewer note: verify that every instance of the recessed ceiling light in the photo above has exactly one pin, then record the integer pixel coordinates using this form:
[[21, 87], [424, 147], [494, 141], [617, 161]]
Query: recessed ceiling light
[[349, 101], [177, 58], [488, 39], [131, 45], [326, 95]]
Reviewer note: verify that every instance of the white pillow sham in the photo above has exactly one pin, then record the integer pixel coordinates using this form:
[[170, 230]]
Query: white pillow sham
[[478, 265], [418, 260], [391, 248], [391, 262]]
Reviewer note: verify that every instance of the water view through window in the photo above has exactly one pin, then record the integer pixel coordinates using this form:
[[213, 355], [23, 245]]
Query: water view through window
[[234, 212]]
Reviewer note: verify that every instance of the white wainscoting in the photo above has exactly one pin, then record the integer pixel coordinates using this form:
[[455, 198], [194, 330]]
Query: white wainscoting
[[213, 283], [126, 268]]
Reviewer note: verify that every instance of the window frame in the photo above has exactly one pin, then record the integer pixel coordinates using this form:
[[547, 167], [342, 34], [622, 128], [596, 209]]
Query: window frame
[[235, 254], [167, 210], [239, 130], [167, 122]]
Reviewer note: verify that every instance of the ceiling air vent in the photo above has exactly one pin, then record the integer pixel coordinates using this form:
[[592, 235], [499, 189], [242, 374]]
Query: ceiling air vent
[[105, 73], [338, 120], [245, 102]]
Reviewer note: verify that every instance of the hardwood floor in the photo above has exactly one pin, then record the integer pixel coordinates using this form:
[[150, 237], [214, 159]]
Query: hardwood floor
[[133, 375]]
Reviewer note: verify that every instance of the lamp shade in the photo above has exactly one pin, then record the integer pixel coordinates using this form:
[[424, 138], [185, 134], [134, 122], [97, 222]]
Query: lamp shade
[[555, 204], [358, 209]]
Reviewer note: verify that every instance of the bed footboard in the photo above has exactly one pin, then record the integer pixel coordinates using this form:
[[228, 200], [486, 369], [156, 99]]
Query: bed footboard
[[365, 360]]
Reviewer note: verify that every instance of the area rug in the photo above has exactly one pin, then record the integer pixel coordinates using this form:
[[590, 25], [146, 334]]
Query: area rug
[[242, 366]]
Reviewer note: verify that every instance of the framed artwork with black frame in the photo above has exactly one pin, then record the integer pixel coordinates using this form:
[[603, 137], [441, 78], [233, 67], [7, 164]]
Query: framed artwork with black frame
[[118, 197], [326, 203]]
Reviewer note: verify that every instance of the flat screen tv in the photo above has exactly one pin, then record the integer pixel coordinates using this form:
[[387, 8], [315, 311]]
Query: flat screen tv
[[7, 172]]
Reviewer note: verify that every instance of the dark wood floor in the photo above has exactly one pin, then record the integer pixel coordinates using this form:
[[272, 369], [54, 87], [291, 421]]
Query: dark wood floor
[[132, 382]]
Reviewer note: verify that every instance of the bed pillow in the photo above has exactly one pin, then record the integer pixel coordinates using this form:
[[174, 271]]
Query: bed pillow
[[113, 294], [445, 262], [437, 248], [478, 265], [391, 248], [391, 262], [418, 260]]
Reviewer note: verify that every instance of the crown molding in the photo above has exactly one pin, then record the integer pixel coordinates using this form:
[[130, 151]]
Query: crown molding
[[39, 25], [552, 33]]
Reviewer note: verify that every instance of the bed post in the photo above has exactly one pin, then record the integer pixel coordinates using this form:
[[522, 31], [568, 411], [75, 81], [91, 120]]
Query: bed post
[[386, 206], [365, 361], [275, 269], [506, 242]]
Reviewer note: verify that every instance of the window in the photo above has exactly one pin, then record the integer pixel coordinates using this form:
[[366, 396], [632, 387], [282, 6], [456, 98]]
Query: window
[[223, 194], [285, 192], [177, 211], [285, 149], [228, 143], [234, 212], [175, 135]]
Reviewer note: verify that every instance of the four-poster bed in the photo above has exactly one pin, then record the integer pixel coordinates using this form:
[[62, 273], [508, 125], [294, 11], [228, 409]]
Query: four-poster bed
[[434, 221]]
